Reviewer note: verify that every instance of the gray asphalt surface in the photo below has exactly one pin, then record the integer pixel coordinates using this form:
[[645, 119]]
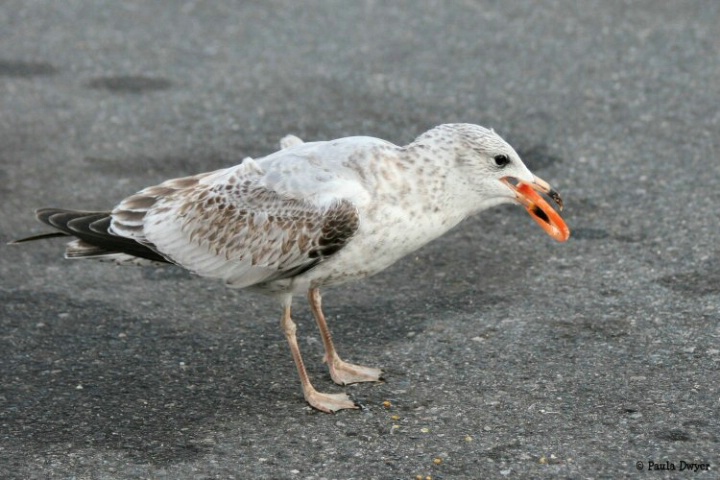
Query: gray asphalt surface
[[507, 355]]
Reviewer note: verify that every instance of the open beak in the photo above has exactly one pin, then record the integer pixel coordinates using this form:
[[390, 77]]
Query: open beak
[[527, 196]]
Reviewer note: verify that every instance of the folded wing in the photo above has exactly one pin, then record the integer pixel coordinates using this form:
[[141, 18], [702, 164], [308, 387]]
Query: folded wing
[[229, 225]]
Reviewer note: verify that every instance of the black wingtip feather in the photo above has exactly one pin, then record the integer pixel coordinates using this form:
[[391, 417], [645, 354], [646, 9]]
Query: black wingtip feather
[[93, 228], [41, 236]]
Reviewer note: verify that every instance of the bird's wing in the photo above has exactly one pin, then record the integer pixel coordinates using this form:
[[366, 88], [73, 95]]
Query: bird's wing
[[230, 224]]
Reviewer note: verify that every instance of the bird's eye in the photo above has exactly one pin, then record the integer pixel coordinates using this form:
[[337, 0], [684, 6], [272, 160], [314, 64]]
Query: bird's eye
[[501, 160]]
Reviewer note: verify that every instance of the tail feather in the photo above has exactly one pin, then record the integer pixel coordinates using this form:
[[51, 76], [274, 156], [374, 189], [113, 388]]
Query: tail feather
[[92, 233], [81, 249]]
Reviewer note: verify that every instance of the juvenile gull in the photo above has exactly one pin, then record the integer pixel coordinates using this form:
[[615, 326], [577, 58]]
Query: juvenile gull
[[313, 215]]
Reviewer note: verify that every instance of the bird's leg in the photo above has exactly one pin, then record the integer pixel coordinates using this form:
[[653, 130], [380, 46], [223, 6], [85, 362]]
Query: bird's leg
[[341, 372], [325, 402]]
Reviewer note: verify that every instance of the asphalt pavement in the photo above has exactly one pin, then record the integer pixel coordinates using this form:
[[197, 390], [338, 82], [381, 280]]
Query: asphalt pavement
[[506, 354]]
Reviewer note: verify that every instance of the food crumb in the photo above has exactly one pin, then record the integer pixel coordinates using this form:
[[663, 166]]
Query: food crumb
[[437, 461], [387, 404], [468, 438]]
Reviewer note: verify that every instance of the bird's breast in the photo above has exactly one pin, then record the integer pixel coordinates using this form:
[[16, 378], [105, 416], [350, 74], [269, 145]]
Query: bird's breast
[[387, 233]]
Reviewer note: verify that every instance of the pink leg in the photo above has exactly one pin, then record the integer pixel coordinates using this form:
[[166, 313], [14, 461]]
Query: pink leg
[[341, 372], [325, 402]]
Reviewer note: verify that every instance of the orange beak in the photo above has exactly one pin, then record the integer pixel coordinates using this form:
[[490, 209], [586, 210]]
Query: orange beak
[[527, 196]]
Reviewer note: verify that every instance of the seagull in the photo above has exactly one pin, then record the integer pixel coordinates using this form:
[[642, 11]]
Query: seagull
[[313, 215]]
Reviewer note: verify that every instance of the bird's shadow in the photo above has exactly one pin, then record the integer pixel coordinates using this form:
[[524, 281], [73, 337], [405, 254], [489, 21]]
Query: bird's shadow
[[86, 374], [90, 374]]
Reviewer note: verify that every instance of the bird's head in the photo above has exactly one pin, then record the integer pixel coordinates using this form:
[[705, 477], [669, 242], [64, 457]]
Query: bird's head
[[493, 170]]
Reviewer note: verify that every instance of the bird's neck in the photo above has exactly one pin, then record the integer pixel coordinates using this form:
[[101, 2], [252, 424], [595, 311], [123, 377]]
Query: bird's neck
[[434, 175]]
